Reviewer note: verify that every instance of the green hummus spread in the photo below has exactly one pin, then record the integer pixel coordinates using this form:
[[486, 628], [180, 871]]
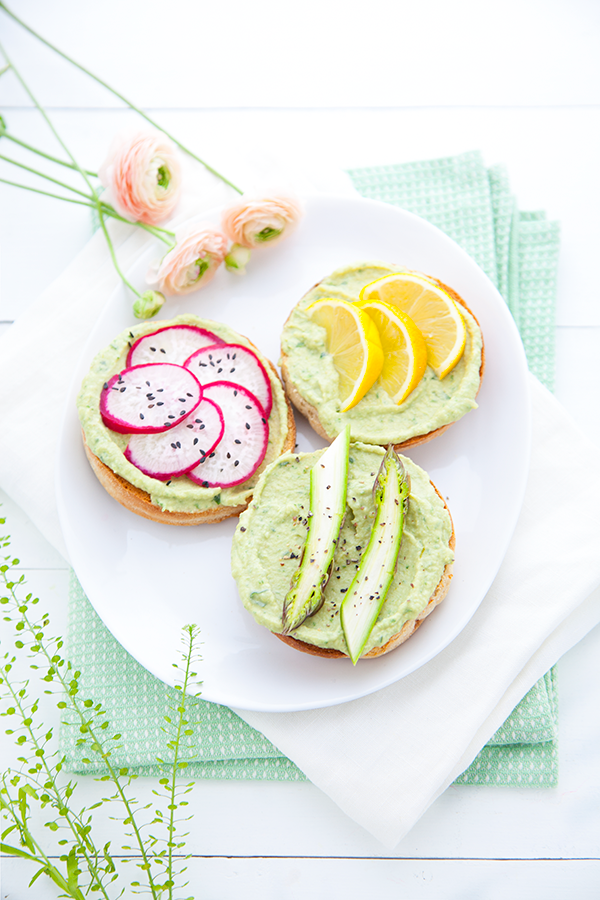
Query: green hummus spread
[[268, 543], [376, 419], [181, 494]]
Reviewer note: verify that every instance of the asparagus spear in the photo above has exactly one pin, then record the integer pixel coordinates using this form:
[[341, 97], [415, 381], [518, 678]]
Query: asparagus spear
[[328, 485], [366, 594]]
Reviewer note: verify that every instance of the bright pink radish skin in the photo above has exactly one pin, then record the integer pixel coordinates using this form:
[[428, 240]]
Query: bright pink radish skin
[[244, 443], [149, 399], [235, 363], [171, 344], [176, 451]]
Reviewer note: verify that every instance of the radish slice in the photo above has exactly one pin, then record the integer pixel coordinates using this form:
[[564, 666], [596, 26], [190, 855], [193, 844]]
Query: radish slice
[[149, 399], [171, 344], [175, 452], [244, 443], [234, 363]]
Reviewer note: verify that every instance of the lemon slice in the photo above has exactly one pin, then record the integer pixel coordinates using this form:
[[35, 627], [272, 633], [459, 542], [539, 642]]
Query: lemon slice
[[432, 310], [404, 348], [354, 343]]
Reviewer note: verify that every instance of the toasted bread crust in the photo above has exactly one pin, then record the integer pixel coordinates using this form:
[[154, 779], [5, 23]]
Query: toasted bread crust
[[407, 629], [310, 412], [139, 502]]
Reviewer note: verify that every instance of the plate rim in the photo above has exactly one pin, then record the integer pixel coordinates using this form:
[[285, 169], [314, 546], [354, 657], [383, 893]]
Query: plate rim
[[447, 639]]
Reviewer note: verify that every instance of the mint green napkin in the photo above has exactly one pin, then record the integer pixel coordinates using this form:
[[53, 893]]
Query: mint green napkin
[[518, 251]]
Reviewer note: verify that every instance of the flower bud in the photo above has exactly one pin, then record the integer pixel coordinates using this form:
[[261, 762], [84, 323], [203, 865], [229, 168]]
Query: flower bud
[[237, 259], [192, 262], [252, 222], [148, 304], [143, 177]]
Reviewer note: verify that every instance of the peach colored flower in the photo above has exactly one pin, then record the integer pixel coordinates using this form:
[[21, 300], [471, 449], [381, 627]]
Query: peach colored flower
[[192, 262], [143, 176], [253, 222]]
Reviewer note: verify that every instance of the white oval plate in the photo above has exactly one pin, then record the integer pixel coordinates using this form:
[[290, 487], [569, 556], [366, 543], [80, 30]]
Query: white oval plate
[[146, 580]]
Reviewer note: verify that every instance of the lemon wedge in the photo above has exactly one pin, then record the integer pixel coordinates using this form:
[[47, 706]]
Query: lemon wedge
[[432, 310], [354, 343], [404, 348]]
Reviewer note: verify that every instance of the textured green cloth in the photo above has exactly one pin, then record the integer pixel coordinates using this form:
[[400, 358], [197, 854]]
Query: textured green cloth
[[518, 251]]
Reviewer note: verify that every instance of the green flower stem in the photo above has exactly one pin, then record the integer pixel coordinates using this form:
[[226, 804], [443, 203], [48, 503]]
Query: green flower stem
[[120, 96], [181, 723], [63, 184], [85, 845], [48, 121], [108, 210], [54, 159], [96, 739], [111, 249], [26, 187]]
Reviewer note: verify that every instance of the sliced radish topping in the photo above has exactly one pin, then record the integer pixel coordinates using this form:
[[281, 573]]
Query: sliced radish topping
[[244, 443], [171, 344], [235, 363], [149, 399], [178, 450]]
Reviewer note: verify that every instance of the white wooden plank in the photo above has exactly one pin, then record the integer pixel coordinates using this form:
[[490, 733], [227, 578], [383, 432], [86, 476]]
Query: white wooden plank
[[280, 819], [320, 54], [535, 145], [297, 878]]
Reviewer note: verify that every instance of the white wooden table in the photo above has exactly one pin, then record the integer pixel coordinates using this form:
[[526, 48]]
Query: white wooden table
[[330, 85]]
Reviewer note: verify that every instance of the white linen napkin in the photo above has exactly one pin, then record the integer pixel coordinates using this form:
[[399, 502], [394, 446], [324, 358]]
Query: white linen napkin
[[385, 758]]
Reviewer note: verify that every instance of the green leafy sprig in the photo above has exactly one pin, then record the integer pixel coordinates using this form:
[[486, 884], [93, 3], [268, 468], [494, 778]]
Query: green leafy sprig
[[41, 783]]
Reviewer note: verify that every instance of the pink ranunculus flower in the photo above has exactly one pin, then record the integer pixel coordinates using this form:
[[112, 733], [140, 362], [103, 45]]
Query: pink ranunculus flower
[[253, 222], [192, 262], [143, 177]]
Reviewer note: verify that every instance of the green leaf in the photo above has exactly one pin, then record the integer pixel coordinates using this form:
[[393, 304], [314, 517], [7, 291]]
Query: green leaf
[[16, 851]]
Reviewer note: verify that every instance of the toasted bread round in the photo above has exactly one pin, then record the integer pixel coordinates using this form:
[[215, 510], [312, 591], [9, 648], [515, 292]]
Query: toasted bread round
[[139, 501], [258, 572], [312, 414], [407, 629], [136, 498]]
